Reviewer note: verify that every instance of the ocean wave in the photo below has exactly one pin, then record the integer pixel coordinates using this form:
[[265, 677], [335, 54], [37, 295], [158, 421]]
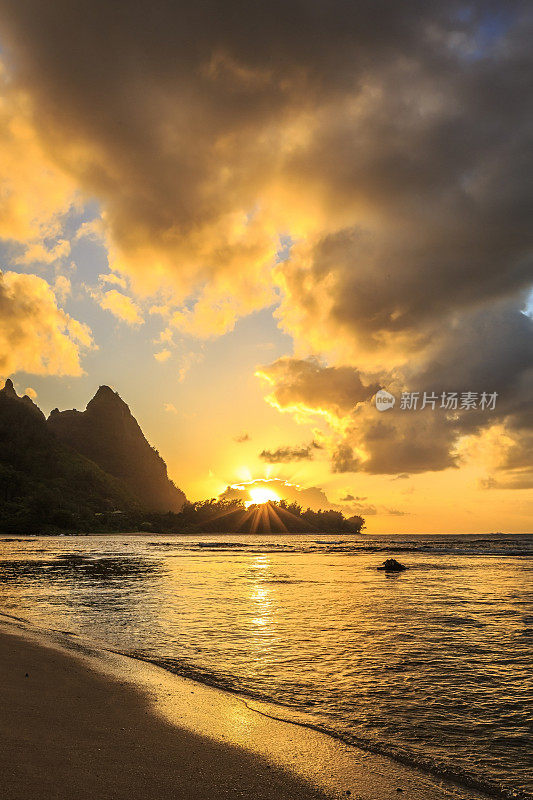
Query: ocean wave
[[403, 755], [452, 620], [484, 547]]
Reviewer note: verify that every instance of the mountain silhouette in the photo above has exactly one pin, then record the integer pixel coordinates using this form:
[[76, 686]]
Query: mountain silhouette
[[94, 471], [108, 434], [43, 483], [69, 470]]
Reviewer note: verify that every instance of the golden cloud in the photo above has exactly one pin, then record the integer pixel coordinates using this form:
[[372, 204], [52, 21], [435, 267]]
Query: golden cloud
[[121, 306], [36, 192], [36, 335], [380, 150]]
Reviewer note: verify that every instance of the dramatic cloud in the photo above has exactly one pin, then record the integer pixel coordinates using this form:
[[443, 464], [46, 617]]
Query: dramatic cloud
[[241, 438], [485, 350], [378, 135], [307, 385], [36, 335], [344, 460], [363, 440], [36, 192], [389, 143]]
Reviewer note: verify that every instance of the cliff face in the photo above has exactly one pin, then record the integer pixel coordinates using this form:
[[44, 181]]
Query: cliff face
[[43, 483], [108, 434]]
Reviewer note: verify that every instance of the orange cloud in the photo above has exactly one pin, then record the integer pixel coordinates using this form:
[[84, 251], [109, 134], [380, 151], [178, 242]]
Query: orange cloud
[[381, 152], [121, 306], [35, 334], [37, 253], [36, 192]]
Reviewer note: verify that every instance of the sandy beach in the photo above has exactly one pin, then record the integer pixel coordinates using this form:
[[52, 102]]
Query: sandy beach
[[68, 732], [78, 722]]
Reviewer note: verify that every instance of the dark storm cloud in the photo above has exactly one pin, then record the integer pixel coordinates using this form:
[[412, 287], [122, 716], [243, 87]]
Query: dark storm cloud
[[284, 455], [179, 114], [343, 459], [308, 382], [392, 143], [420, 444], [488, 350]]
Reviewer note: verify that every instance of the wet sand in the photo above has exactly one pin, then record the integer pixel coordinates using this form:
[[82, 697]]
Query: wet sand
[[78, 722]]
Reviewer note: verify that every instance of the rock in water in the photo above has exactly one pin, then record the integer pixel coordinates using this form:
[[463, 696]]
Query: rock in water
[[391, 565]]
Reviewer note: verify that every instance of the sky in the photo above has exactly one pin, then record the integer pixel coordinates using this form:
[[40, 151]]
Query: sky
[[250, 218]]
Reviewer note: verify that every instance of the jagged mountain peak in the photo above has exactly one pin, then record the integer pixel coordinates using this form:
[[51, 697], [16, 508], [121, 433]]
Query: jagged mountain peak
[[105, 392], [9, 393], [9, 389], [106, 396], [108, 434]]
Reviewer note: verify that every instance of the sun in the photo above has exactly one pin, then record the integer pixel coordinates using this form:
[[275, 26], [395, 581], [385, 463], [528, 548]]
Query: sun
[[261, 495]]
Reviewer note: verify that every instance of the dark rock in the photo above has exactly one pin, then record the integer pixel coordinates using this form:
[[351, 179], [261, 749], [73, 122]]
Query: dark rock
[[391, 565]]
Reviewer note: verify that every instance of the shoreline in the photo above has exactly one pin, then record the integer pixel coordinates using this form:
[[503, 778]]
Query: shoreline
[[495, 535], [239, 750]]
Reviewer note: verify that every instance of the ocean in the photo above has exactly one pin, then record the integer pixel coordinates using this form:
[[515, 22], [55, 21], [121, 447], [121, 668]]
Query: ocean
[[432, 666]]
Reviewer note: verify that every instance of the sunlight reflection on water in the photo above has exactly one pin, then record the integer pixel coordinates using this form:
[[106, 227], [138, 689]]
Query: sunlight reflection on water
[[434, 663]]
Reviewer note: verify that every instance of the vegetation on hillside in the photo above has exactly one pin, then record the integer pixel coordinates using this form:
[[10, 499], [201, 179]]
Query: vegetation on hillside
[[232, 516], [44, 485], [47, 486]]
